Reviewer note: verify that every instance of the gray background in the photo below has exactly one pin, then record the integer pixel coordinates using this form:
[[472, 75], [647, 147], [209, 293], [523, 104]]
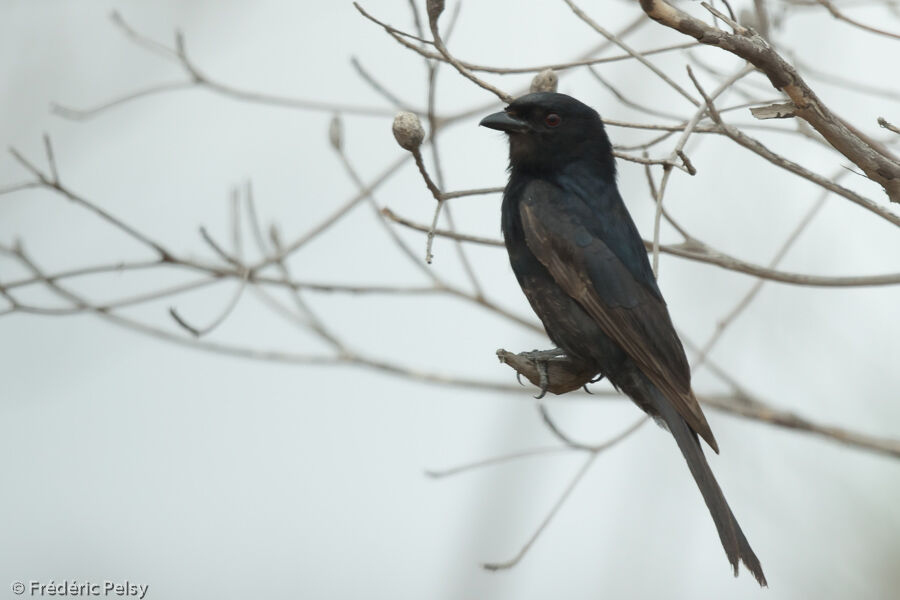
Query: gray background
[[204, 476]]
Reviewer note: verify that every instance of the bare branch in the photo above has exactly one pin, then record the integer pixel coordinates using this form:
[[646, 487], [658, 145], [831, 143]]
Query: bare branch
[[440, 47], [882, 169], [489, 462], [18, 187], [860, 87], [199, 79], [116, 267], [312, 319], [380, 89], [51, 160], [565, 439], [641, 59], [229, 308], [735, 26], [745, 301], [758, 411], [50, 183], [399, 37], [593, 453], [82, 114], [837, 14], [700, 252], [629, 102], [757, 147], [678, 151], [473, 192], [220, 252], [335, 216]]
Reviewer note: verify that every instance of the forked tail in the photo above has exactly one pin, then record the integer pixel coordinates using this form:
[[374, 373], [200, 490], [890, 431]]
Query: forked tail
[[736, 546]]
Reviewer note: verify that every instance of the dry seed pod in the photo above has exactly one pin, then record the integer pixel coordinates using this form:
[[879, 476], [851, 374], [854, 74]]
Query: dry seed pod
[[408, 131]]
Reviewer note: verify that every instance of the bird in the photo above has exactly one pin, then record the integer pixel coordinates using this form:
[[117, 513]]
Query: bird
[[583, 267]]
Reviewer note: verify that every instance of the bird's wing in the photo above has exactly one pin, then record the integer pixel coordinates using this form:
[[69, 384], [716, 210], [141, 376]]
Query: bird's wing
[[559, 231]]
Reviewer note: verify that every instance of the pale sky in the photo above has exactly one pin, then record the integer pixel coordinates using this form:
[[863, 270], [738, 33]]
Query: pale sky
[[205, 476]]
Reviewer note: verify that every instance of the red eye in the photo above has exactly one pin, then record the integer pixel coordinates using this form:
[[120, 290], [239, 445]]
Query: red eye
[[552, 120]]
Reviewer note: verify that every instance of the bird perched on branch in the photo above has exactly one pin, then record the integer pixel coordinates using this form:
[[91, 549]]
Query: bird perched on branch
[[583, 267]]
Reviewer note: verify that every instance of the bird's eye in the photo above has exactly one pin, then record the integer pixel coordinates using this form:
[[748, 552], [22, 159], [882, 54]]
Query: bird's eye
[[552, 120]]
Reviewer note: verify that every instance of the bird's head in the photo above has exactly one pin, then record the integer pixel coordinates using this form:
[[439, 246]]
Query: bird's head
[[548, 131]]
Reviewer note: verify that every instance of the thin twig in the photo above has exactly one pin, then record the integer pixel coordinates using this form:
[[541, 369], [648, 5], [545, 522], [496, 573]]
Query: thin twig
[[735, 26], [314, 322], [51, 160], [199, 79], [878, 165], [889, 126], [56, 185], [442, 48], [700, 252], [336, 215], [678, 150], [82, 114], [496, 460], [116, 303], [472, 192], [220, 252], [640, 58], [745, 301], [380, 89], [760, 149], [436, 193], [593, 453], [628, 101], [579, 475], [837, 14], [404, 248], [433, 126], [565, 439], [399, 35], [229, 308]]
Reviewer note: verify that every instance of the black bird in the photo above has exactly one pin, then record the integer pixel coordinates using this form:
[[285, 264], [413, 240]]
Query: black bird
[[583, 267]]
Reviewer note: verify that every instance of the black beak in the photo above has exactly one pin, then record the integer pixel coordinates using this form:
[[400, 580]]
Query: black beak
[[501, 121]]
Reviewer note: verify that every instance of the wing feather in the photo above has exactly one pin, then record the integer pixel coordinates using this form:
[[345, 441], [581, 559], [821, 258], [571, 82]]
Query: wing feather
[[629, 314]]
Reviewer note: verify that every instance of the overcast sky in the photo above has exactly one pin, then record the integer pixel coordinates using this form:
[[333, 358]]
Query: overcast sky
[[205, 476]]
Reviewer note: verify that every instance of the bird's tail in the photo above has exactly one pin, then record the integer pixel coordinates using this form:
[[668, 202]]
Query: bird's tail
[[737, 548]]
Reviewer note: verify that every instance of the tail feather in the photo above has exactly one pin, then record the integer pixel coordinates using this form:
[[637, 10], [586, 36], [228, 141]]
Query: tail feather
[[736, 546]]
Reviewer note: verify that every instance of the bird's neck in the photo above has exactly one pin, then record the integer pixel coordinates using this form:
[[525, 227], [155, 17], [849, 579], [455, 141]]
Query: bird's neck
[[591, 165]]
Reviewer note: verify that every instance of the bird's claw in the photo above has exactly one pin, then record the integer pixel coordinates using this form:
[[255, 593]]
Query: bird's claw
[[541, 366], [599, 377]]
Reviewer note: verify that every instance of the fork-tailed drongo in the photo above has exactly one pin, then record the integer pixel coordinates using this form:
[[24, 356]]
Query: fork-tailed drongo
[[583, 267]]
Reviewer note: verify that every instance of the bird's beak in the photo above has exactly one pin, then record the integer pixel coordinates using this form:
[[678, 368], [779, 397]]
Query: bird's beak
[[502, 121]]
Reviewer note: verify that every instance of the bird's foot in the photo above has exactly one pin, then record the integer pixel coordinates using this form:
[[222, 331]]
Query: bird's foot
[[550, 370], [544, 355], [541, 359]]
